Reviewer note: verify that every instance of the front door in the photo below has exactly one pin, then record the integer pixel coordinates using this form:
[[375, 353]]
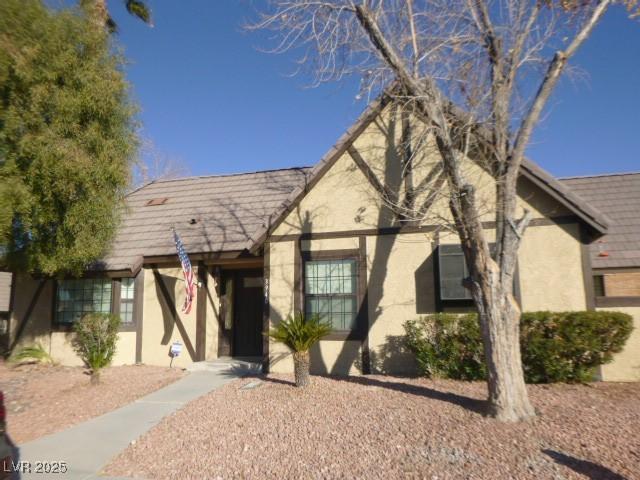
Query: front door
[[248, 303]]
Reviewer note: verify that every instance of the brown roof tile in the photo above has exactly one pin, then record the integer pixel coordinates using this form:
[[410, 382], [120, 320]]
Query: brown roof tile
[[228, 209], [618, 197]]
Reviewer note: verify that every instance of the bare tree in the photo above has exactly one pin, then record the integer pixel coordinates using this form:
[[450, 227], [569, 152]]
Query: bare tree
[[156, 165], [477, 75]]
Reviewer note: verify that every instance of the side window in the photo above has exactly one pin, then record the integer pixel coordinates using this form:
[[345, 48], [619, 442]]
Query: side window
[[127, 294], [453, 270]]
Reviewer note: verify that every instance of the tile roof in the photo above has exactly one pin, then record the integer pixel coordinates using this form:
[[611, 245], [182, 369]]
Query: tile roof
[[228, 210], [618, 196]]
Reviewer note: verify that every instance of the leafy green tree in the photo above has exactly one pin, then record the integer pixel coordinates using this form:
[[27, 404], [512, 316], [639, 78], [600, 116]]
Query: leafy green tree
[[67, 138], [99, 13]]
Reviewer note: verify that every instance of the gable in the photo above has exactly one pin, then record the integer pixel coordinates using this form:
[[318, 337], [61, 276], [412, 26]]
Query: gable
[[346, 195]]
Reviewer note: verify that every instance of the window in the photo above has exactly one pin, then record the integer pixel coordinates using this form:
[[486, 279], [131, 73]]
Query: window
[[453, 269], [598, 285], [331, 291], [75, 298], [127, 291]]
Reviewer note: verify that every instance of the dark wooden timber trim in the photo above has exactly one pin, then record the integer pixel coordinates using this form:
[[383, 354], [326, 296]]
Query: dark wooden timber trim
[[587, 271], [231, 256], [224, 345], [536, 222], [363, 300], [116, 286], [298, 296], [201, 312], [361, 320], [607, 302], [605, 271], [27, 314], [266, 311], [138, 312], [367, 171], [174, 312]]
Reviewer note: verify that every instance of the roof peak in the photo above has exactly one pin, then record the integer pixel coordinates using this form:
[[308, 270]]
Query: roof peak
[[615, 174]]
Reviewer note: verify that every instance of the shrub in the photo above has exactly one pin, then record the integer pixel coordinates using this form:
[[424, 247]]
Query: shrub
[[300, 334], [32, 354], [556, 346], [447, 345], [95, 341], [569, 346]]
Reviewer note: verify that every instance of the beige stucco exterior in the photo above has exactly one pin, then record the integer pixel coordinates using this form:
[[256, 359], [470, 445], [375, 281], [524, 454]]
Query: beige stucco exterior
[[400, 267], [626, 364], [38, 329], [400, 275]]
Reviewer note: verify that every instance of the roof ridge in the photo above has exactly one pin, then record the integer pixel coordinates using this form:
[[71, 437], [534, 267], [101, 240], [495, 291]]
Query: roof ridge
[[196, 177], [615, 174]]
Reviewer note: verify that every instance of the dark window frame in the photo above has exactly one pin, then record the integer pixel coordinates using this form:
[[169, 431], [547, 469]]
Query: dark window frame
[[360, 330], [114, 303], [464, 305]]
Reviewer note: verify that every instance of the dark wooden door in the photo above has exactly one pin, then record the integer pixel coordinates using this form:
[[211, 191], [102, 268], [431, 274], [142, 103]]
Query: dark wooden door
[[247, 319]]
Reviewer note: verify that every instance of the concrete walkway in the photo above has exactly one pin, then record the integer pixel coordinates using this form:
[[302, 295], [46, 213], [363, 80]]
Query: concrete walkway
[[89, 446]]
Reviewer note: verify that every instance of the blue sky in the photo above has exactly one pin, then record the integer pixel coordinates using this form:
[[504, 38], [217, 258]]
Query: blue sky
[[210, 99]]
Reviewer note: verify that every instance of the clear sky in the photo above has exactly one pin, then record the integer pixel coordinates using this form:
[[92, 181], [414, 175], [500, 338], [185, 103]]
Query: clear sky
[[212, 100]]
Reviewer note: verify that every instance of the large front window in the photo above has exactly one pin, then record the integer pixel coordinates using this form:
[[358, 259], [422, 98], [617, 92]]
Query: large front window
[[331, 292], [78, 297]]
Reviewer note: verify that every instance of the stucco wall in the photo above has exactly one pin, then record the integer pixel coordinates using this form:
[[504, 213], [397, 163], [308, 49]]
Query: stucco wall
[[626, 364], [400, 268], [39, 326], [161, 324], [550, 267]]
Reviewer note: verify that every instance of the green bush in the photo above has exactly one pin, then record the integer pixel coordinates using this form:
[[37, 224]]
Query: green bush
[[569, 346], [447, 345], [556, 346], [95, 341]]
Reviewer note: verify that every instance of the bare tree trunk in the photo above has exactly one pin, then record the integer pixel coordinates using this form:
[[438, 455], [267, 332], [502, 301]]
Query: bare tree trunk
[[95, 377], [500, 325], [301, 368]]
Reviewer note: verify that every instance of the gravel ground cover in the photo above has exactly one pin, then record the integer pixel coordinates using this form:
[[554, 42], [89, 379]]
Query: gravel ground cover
[[386, 427], [45, 399]]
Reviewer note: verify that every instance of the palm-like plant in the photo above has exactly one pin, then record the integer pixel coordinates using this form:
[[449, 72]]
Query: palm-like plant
[[300, 334]]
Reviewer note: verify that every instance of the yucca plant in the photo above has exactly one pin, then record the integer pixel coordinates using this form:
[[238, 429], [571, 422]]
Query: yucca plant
[[32, 354], [300, 334]]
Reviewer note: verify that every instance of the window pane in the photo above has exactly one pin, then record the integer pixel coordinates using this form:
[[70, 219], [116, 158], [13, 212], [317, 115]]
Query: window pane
[[127, 288], [330, 291], [80, 296], [452, 271]]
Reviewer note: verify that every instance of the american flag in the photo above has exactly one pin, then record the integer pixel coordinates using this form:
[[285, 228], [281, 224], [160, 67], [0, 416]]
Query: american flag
[[189, 284]]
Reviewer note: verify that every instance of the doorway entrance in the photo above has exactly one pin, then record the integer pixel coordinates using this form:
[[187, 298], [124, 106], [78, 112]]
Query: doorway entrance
[[243, 303]]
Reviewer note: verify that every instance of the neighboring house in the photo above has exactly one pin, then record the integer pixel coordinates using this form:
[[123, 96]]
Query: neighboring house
[[615, 258], [318, 239], [5, 307]]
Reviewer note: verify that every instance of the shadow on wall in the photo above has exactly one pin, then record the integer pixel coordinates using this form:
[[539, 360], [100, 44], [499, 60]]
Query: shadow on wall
[[392, 358], [589, 469], [170, 318]]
